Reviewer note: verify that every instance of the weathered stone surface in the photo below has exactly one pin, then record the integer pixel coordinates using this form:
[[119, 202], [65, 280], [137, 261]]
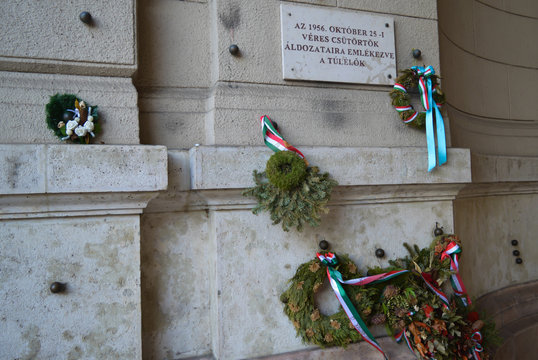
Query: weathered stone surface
[[79, 180], [37, 35], [491, 168], [417, 8], [231, 167], [23, 97], [82, 168], [486, 225], [98, 316], [260, 64], [360, 351], [174, 44], [247, 291], [176, 276]]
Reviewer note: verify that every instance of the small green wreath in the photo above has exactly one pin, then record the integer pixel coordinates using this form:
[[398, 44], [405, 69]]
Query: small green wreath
[[401, 102], [286, 170], [291, 191], [71, 119], [314, 327]]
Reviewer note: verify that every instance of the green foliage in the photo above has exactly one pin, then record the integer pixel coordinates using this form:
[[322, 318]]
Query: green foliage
[[58, 106], [410, 81], [301, 205], [402, 303], [314, 327], [286, 170], [55, 110]]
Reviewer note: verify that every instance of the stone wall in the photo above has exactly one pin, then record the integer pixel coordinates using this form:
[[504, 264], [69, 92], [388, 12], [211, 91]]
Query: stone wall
[[161, 254]]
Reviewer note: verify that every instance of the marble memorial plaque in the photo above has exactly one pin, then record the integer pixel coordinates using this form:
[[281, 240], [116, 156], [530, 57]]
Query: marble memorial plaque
[[328, 44]]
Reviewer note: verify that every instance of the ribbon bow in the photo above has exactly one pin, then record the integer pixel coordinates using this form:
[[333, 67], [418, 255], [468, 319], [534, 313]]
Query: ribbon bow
[[452, 251], [426, 97], [477, 348], [336, 281], [274, 140]]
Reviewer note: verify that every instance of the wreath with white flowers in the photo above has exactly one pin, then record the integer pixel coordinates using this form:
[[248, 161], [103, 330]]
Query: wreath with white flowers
[[71, 119], [409, 80]]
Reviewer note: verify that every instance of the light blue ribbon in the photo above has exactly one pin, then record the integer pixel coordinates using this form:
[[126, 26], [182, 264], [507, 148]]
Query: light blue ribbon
[[425, 74]]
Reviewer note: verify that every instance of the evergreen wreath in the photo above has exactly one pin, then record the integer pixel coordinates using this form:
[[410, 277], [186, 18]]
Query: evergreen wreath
[[293, 193], [71, 119], [401, 101], [404, 305], [314, 327], [286, 170]]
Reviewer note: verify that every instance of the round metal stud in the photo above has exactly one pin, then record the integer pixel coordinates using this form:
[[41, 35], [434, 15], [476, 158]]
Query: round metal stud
[[323, 244], [515, 252], [515, 242], [380, 253], [57, 287], [85, 17], [438, 230], [234, 49], [417, 53], [519, 261]]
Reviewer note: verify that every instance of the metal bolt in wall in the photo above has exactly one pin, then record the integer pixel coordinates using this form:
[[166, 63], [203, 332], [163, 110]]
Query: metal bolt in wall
[[86, 17], [519, 260], [57, 287], [323, 244], [234, 50]]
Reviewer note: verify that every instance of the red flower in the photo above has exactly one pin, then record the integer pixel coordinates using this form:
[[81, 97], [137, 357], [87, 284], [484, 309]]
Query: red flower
[[472, 316], [427, 310]]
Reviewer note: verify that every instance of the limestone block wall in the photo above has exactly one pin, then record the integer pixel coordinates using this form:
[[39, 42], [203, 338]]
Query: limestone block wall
[[214, 272], [46, 49], [193, 91], [490, 61], [71, 214]]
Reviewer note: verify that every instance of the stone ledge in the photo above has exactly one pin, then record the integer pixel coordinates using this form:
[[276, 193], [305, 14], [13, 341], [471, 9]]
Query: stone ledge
[[73, 180], [214, 177], [224, 167], [359, 351]]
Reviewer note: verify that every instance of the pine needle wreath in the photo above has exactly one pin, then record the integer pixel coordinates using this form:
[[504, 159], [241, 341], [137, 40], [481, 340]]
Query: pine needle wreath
[[403, 303], [314, 327], [293, 195], [409, 81], [66, 113]]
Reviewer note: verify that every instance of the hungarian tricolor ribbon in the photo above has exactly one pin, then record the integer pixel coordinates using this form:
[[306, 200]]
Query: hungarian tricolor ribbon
[[426, 97], [274, 140], [477, 348], [452, 251], [403, 336], [336, 281], [432, 284]]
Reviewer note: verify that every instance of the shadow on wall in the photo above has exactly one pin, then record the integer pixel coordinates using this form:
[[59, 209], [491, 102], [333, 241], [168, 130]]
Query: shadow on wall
[[515, 312]]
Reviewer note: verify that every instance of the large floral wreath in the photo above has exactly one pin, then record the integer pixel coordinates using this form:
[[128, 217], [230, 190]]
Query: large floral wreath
[[408, 302]]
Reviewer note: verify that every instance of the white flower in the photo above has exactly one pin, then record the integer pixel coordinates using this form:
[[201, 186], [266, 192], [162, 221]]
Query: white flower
[[81, 131], [88, 125], [69, 132], [71, 125], [77, 119], [90, 118]]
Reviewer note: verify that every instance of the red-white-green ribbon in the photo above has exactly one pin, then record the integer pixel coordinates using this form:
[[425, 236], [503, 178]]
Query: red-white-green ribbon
[[435, 288], [273, 139], [335, 279], [452, 251], [403, 336], [426, 97], [477, 348]]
